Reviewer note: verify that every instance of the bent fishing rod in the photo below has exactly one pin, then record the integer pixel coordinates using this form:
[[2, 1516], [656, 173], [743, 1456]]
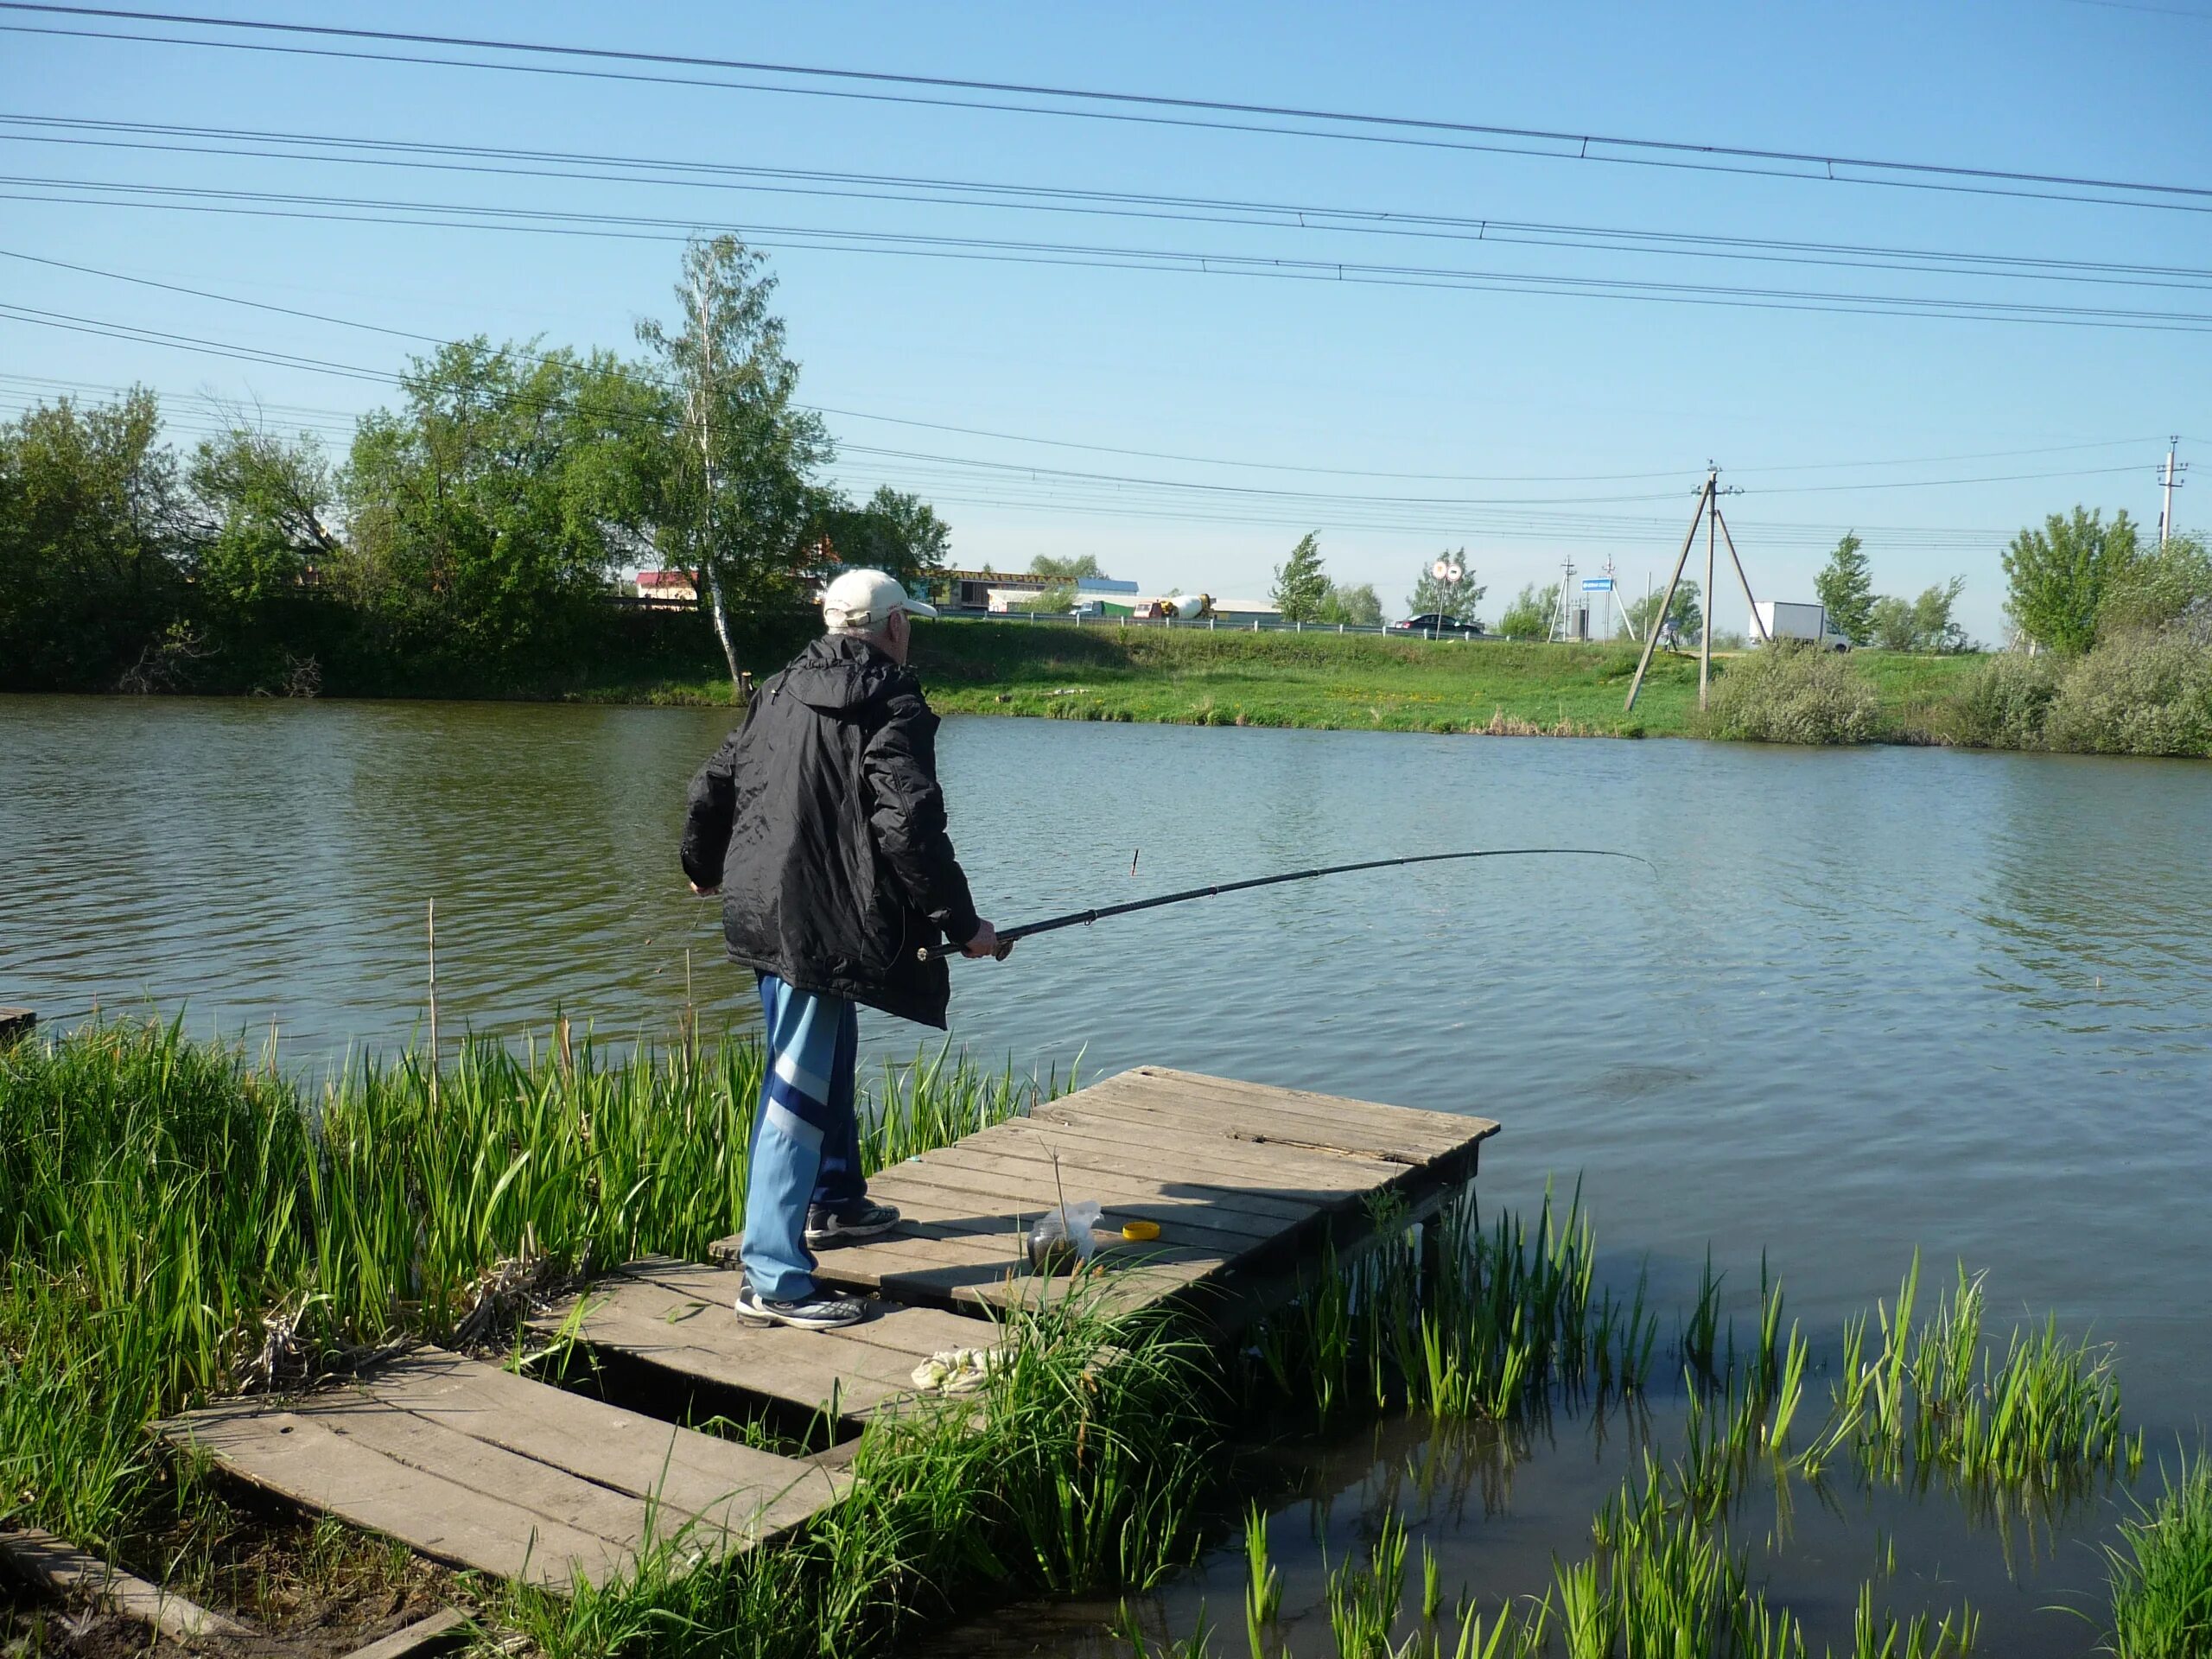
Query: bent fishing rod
[[1008, 936]]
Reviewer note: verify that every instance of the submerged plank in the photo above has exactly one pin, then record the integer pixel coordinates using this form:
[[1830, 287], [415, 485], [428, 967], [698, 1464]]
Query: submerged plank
[[65, 1570]]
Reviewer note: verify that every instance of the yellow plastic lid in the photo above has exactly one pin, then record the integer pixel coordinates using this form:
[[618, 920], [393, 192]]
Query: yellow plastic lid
[[1137, 1232]]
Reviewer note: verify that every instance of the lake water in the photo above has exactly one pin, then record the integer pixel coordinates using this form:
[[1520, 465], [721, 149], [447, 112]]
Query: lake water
[[1870, 1000]]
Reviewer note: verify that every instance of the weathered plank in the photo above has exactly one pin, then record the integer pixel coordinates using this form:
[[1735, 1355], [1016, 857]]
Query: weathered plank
[[468, 1464], [675, 1317], [1238, 1177], [15, 1023], [440, 1633], [62, 1569]]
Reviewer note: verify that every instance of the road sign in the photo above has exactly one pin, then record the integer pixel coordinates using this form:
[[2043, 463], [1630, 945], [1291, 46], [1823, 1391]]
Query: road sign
[[1597, 584]]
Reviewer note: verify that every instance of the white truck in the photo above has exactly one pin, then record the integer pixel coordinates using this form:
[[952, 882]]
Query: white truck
[[1781, 619]]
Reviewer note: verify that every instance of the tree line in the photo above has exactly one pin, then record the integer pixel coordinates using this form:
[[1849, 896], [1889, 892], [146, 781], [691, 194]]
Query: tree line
[[477, 523]]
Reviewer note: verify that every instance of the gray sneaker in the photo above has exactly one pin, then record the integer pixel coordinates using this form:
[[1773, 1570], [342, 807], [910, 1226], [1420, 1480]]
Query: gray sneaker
[[866, 1220], [820, 1312]]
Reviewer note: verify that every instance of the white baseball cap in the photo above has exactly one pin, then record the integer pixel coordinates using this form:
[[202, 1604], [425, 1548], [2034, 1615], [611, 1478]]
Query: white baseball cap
[[862, 600]]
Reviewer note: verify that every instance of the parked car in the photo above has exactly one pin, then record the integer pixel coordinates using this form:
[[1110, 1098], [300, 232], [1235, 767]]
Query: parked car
[[1435, 622]]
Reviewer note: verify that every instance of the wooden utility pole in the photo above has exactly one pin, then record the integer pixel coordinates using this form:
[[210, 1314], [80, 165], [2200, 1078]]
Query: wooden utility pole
[[1708, 513]]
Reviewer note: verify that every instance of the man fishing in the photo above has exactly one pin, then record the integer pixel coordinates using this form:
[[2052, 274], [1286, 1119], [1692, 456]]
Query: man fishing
[[820, 822]]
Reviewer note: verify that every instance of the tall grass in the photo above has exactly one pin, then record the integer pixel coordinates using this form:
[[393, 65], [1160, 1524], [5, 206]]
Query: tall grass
[[1788, 694], [1083, 1465], [2162, 1572], [178, 1218]]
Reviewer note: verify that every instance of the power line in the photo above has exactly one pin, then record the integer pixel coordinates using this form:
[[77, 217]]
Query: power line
[[905, 190], [1571, 145], [367, 210]]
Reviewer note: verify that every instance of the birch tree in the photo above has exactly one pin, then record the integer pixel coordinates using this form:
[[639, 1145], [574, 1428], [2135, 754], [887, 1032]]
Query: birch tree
[[742, 494]]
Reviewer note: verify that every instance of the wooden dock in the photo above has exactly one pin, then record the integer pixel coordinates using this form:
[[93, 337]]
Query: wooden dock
[[477, 1466]]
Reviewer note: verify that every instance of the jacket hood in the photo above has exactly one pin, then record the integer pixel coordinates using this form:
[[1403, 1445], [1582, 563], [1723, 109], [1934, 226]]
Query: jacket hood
[[838, 673]]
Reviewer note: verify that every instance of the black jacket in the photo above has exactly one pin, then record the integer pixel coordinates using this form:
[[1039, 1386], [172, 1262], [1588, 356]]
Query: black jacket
[[821, 820]]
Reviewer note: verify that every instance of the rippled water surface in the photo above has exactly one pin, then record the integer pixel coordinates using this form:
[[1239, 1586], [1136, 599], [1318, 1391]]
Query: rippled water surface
[[1870, 1000]]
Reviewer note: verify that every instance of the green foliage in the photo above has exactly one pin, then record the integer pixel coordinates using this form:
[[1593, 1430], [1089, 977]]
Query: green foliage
[[1357, 608], [1921, 623], [1530, 616], [2059, 577], [897, 534], [1786, 694], [1069, 568], [1683, 616], [2162, 1574], [266, 508], [493, 507], [91, 517], [737, 500], [1302, 585], [1847, 589], [1447, 599], [2166, 587], [2138, 694], [2003, 701]]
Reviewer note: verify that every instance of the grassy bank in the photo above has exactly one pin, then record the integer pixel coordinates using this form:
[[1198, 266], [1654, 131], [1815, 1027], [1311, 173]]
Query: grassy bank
[[1356, 682], [177, 1219]]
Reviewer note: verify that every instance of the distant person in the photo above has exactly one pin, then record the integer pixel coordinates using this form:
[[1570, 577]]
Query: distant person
[[820, 822]]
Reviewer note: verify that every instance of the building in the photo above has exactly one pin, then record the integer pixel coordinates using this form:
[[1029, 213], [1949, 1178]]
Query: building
[[975, 590], [668, 587]]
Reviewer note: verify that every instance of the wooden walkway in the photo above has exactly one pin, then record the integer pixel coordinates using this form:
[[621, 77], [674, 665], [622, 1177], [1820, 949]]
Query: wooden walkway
[[475, 1465]]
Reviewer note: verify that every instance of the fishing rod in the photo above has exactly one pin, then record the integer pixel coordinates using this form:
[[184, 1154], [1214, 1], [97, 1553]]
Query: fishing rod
[[1085, 917]]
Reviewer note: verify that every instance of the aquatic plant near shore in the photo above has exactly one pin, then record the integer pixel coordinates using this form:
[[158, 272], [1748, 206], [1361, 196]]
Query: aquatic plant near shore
[[2161, 1573]]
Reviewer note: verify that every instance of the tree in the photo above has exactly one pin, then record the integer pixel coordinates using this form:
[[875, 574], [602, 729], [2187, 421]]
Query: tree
[[1431, 595], [1923, 624], [265, 508], [1847, 590], [91, 521], [1069, 569], [2059, 575], [2167, 585], [742, 494], [1301, 586], [1529, 617], [1684, 619], [1357, 607], [899, 534], [491, 510]]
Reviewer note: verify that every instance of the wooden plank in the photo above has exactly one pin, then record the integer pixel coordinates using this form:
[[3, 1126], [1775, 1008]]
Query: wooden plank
[[440, 1632], [62, 1569], [734, 1486], [302, 1458], [15, 1023], [675, 1317], [1141, 1133], [1448, 1127], [1252, 1190], [1027, 1190]]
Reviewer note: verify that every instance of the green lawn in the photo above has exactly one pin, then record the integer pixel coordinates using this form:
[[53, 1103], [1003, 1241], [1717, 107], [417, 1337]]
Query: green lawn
[[1359, 682]]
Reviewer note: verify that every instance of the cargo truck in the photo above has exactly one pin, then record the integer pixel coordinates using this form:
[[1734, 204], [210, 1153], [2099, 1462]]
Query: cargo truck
[[1781, 619]]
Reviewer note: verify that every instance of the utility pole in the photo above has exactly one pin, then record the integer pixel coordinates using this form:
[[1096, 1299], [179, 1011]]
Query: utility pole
[[1708, 511], [2172, 483]]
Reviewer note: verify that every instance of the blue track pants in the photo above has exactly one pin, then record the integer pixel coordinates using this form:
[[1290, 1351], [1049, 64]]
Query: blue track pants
[[806, 1147]]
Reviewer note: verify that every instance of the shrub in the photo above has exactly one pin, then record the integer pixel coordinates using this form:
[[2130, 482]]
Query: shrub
[[2141, 694], [2002, 704], [1785, 694]]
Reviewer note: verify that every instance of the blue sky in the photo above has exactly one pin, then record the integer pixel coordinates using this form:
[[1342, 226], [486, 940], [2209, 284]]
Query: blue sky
[[1545, 424]]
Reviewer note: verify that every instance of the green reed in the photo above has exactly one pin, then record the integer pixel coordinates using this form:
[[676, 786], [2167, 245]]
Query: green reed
[[1083, 1464], [178, 1218], [2161, 1572]]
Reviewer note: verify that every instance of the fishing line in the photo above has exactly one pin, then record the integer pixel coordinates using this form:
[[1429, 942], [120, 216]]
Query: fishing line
[[1085, 918]]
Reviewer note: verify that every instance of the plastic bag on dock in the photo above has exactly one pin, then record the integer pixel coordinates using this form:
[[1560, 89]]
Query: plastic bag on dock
[[1066, 1238]]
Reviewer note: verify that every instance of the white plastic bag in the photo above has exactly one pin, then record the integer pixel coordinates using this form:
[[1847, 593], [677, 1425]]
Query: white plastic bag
[[1067, 1237]]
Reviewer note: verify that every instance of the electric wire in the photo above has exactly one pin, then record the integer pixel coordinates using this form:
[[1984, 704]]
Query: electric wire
[[1073, 101]]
